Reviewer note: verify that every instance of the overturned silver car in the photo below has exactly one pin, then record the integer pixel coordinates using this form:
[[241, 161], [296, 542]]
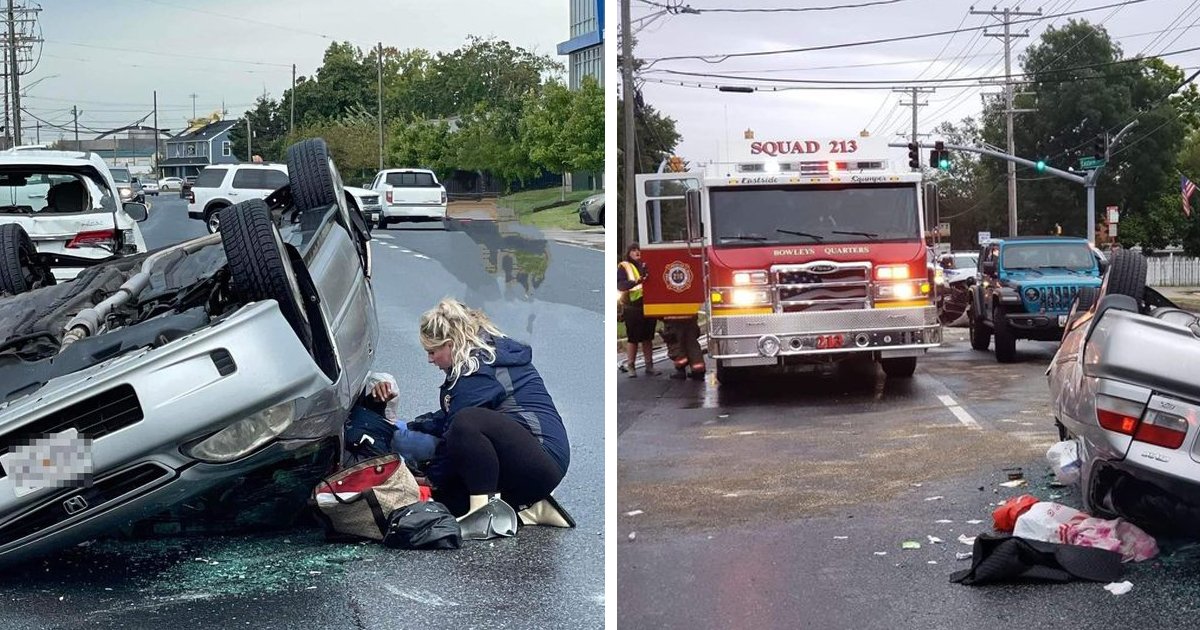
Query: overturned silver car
[[150, 380], [1124, 386]]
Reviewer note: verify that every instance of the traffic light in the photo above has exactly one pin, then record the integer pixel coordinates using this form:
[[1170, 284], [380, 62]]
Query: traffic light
[[1098, 148], [943, 156], [914, 158], [1041, 165]]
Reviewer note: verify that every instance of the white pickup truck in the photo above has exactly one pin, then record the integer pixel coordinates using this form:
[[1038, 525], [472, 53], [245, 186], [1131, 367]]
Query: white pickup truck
[[409, 194]]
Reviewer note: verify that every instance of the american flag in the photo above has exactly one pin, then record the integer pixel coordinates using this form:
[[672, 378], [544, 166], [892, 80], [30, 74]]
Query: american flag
[[1187, 189]]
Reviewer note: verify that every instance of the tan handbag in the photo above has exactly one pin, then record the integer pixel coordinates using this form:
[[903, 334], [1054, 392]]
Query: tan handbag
[[355, 502]]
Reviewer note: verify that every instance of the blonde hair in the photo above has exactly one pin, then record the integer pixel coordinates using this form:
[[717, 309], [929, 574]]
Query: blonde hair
[[466, 330]]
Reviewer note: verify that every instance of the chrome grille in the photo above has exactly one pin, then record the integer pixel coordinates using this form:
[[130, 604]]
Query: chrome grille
[[827, 321], [822, 286]]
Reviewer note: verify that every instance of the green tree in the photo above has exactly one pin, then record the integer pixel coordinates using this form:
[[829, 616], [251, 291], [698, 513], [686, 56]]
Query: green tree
[[585, 126], [656, 137], [425, 144], [270, 131]]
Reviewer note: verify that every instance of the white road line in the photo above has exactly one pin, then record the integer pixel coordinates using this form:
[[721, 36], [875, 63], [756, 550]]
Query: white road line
[[386, 237], [406, 251], [422, 256], [959, 412], [393, 247]]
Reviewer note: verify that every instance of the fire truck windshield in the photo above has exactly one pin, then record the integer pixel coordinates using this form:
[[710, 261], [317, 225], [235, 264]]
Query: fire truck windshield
[[826, 213]]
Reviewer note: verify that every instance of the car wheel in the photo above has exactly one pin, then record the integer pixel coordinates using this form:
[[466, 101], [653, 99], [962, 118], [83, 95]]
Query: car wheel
[[259, 267], [1083, 301], [981, 335], [212, 219], [1126, 275], [18, 269], [600, 218], [314, 179], [899, 367], [1006, 341]]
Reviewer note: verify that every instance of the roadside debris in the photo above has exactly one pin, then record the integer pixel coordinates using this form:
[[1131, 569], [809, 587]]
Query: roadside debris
[[910, 544], [634, 512], [934, 540], [943, 520], [966, 540], [935, 498], [1119, 588], [963, 555], [1015, 483], [1064, 461], [1014, 473], [632, 536], [841, 538], [881, 553], [1002, 558]]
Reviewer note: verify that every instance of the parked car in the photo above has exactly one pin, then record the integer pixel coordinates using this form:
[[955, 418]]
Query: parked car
[[1024, 287], [149, 186], [60, 212], [367, 202], [219, 187], [591, 210], [1124, 388], [168, 184], [176, 376], [127, 185], [409, 194]]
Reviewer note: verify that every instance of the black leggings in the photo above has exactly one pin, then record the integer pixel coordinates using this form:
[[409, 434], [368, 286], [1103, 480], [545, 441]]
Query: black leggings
[[489, 453]]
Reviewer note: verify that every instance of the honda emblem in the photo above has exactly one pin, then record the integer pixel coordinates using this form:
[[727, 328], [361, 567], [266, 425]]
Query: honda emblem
[[75, 505]]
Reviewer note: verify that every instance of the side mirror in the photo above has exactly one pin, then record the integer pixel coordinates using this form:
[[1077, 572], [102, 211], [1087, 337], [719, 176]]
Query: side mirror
[[136, 211], [693, 214], [989, 266], [133, 180]]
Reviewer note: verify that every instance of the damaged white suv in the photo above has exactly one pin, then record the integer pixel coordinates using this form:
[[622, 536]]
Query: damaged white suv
[[155, 378]]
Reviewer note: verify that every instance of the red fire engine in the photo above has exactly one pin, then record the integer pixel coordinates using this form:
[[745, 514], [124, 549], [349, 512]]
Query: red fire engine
[[800, 251]]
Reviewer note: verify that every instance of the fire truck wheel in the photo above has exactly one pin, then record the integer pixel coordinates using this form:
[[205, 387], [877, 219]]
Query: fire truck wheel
[[899, 367], [1006, 341], [981, 335]]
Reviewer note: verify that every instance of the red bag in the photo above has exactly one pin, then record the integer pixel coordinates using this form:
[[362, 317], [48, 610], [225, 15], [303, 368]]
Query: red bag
[[1005, 516]]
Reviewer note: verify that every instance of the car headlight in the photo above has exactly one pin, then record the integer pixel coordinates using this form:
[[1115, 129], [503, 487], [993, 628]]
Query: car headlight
[[125, 192], [1031, 294], [245, 435]]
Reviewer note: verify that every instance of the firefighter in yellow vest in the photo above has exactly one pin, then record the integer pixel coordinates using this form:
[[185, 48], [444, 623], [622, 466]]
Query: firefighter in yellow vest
[[639, 329]]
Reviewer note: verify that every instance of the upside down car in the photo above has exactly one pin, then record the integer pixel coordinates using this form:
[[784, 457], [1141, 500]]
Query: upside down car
[[151, 379]]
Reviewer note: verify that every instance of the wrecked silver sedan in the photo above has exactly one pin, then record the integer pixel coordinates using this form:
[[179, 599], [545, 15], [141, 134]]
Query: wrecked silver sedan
[[1124, 386], [150, 380]]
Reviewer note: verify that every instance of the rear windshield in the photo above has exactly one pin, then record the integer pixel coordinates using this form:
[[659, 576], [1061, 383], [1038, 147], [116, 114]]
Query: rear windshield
[[121, 175], [411, 180], [210, 178], [259, 179], [46, 191]]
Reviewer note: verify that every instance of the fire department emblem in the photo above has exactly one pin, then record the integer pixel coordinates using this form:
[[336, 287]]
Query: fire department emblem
[[678, 277]]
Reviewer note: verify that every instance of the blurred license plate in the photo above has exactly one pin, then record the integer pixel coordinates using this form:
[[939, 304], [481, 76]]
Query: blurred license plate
[[57, 460], [1062, 320]]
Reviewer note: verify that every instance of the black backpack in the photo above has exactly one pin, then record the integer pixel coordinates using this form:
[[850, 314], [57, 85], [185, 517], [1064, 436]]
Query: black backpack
[[423, 525]]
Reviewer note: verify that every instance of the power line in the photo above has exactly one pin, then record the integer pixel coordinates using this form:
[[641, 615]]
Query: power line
[[159, 53], [721, 57], [241, 18], [683, 8]]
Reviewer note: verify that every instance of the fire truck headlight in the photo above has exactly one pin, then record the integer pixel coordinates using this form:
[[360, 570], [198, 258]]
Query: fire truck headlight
[[742, 278], [892, 272], [900, 290], [768, 345], [750, 297]]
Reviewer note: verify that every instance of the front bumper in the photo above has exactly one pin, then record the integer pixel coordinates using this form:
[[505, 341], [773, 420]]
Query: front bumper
[[196, 214], [890, 332], [1037, 326], [183, 394]]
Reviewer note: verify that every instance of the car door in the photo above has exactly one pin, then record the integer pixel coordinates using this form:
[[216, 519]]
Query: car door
[[671, 242]]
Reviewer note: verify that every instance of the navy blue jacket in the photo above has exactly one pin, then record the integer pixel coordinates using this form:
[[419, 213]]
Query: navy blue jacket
[[510, 385]]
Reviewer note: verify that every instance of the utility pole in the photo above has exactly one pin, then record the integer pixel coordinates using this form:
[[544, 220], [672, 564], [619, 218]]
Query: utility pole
[[914, 92], [193, 95], [627, 105], [249, 141], [157, 172], [7, 127], [1008, 35], [38, 128], [379, 63], [75, 115], [292, 103], [15, 73]]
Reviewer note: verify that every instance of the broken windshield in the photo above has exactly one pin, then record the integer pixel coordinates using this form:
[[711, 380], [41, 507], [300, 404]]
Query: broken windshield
[[825, 213]]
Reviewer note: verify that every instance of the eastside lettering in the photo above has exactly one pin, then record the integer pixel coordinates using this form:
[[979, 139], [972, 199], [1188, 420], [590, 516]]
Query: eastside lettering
[[759, 180]]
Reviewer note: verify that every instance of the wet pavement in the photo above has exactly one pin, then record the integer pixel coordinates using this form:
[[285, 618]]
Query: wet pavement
[[545, 293], [786, 504]]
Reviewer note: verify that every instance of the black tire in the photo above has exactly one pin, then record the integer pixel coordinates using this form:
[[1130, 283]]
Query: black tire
[[981, 335], [1085, 298], [259, 268], [19, 271], [600, 219], [899, 367], [1006, 341], [730, 376], [314, 179], [212, 218], [1126, 275]]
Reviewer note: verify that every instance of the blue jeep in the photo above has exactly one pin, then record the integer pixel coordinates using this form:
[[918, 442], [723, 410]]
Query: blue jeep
[[1024, 288]]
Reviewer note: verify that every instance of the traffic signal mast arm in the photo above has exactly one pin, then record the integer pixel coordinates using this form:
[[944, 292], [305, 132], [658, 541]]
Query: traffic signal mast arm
[[1079, 179]]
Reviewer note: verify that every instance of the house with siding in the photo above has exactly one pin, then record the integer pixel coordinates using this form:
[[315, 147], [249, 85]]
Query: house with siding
[[191, 151]]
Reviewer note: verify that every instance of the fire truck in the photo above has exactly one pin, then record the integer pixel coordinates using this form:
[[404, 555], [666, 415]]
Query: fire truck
[[800, 251]]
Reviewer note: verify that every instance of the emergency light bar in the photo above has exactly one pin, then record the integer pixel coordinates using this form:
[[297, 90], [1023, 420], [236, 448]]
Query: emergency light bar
[[810, 168]]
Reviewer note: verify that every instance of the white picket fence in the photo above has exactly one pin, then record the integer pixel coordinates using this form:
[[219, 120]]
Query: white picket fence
[[1173, 271]]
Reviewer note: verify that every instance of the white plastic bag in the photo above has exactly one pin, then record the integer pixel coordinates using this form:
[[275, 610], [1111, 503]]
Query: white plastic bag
[[392, 408], [1064, 461], [1045, 521]]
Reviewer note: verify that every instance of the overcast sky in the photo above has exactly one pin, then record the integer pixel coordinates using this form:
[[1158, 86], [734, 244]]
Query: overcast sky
[[227, 50], [706, 116]]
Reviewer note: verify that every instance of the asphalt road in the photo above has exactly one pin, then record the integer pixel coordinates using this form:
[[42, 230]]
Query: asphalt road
[[543, 293], [785, 505]]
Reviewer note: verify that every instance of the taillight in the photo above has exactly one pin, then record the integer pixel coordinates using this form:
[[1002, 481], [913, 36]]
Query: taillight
[[93, 238], [1162, 429], [1118, 414], [389, 196], [443, 197]]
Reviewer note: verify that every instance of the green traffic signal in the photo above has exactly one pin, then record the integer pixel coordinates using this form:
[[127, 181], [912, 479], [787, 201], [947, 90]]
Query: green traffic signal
[[1041, 165], [944, 164]]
